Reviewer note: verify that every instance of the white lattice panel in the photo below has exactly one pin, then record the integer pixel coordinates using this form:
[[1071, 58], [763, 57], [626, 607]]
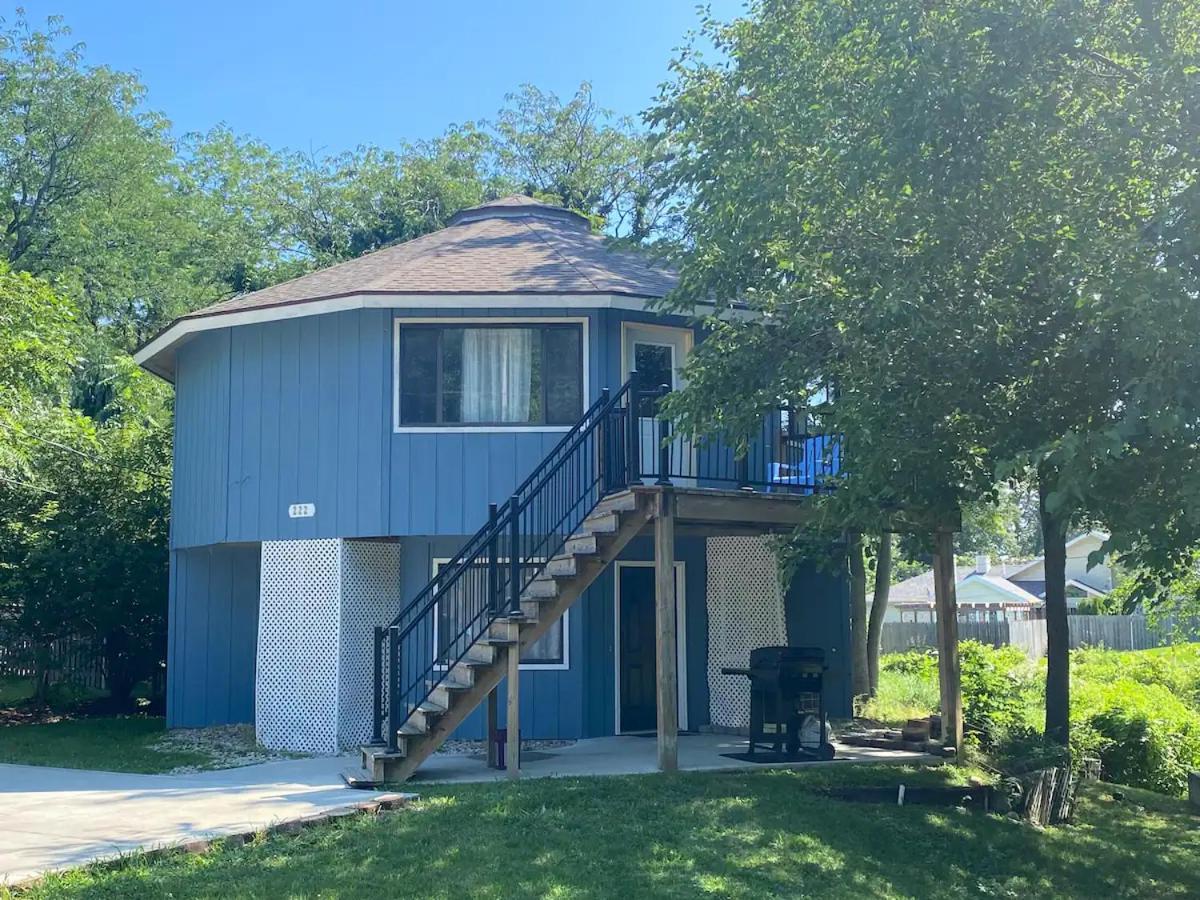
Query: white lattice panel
[[370, 597], [745, 611], [296, 687], [319, 604]]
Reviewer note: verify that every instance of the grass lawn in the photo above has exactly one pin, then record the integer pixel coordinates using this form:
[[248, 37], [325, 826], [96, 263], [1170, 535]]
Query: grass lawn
[[112, 744], [746, 835]]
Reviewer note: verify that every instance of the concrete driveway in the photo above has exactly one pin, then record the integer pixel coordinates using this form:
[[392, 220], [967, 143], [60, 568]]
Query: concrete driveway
[[60, 818]]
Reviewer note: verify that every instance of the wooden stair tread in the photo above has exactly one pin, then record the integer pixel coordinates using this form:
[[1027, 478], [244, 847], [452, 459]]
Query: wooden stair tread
[[601, 536]]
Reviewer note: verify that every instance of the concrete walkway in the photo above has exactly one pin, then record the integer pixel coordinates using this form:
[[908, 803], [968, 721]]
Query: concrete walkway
[[60, 818], [632, 755]]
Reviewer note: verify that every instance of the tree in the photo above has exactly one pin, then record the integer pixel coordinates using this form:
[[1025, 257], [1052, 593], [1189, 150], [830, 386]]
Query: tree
[[879, 604], [582, 156], [36, 329], [958, 214]]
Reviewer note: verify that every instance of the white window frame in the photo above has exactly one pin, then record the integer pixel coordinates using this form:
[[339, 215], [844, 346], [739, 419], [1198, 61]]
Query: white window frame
[[563, 666], [399, 321]]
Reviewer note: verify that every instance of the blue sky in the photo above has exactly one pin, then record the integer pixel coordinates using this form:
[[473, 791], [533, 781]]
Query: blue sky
[[330, 75]]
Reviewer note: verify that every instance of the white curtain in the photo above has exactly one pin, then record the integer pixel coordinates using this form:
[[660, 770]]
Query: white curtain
[[497, 374]]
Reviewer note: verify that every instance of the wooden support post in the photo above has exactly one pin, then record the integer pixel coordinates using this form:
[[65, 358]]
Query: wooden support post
[[493, 725], [949, 674], [665, 627], [512, 749]]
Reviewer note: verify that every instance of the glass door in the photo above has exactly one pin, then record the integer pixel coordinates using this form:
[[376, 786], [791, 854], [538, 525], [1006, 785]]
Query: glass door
[[657, 354]]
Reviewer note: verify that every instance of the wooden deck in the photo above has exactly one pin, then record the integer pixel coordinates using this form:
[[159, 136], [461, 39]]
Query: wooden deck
[[716, 512]]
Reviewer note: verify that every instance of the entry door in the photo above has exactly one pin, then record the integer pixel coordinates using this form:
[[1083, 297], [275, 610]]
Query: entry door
[[658, 353], [636, 669]]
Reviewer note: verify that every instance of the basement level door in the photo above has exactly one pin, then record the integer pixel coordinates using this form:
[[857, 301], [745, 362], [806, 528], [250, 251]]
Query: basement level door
[[657, 353], [637, 677]]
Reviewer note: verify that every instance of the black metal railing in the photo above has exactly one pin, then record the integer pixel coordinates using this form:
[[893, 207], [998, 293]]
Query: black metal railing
[[622, 440], [788, 453]]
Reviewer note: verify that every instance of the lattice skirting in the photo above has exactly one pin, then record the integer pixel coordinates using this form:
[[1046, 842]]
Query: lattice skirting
[[318, 604], [745, 611]]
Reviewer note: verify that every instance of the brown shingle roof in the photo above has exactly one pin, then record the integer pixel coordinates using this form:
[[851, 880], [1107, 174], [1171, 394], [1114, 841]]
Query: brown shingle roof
[[513, 245]]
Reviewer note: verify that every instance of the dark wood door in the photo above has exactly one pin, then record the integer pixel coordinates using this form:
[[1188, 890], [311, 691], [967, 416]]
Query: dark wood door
[[635, 653]]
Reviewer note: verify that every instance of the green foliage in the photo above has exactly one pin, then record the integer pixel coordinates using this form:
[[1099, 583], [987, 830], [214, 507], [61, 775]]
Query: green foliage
[[1139, 711], [1144, 734], [582, 157], [973, 218], [998, 687]]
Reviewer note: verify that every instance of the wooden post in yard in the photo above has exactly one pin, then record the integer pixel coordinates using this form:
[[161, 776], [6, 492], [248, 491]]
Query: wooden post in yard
[[512, 747], [949, 674], [664, 629]]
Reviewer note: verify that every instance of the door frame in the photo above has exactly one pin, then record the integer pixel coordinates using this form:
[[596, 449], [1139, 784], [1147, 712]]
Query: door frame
[[682, 345], [688, 344], [680, 644]]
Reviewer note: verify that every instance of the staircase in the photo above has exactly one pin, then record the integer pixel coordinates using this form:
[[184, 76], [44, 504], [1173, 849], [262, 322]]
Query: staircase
[[451, 645], [589, 551], [538, 552]]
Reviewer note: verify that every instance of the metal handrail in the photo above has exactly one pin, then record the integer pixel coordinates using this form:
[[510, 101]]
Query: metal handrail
[[601, 453], [523, 533]]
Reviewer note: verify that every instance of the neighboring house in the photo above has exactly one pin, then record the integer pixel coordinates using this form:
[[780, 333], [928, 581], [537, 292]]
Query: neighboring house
[[1013, 589], [339, 439]]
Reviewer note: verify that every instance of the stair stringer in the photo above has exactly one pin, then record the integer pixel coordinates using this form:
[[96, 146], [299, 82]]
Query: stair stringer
[[418, 747]]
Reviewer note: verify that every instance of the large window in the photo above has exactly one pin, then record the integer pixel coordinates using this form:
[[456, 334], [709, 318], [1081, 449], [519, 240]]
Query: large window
[[504, 375]]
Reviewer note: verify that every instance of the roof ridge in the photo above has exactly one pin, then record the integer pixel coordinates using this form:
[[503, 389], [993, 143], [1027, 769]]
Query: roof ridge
[[570, 262]]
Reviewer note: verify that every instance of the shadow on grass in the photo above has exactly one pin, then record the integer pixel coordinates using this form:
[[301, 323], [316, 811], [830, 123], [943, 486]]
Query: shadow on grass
[[751, 835]]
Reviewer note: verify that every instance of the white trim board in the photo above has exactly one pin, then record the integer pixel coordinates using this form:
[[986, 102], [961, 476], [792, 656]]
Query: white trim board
[[400, 321], [438, 561], [680, 643]]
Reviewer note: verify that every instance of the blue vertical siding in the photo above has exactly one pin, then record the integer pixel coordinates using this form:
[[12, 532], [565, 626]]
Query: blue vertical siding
[[202, 444], [817, 609], [212, 629], [300, 411], [597, 609]]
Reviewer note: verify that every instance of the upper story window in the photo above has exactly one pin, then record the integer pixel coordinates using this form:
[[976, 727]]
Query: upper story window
[[485, 375]]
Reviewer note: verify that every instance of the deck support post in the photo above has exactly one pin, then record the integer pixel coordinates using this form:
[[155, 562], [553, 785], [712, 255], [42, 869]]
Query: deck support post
[[512, 747], [665, 628], [949, 673], [493, 726]]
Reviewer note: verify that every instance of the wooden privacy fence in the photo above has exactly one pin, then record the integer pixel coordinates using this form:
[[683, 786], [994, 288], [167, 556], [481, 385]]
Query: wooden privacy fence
[[1113, 632], [70, 659]]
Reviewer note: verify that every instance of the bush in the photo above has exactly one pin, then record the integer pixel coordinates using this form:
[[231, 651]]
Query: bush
[[998, 685], [1144, 734], [902, 696], [1138, 712], [1175, 668]]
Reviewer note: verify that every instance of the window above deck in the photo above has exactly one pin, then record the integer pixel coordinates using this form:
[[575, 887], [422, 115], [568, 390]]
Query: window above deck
[[489, 375]]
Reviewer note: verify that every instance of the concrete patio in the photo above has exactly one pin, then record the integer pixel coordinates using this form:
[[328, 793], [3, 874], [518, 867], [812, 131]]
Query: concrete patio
[[62, 818], [636, 755]]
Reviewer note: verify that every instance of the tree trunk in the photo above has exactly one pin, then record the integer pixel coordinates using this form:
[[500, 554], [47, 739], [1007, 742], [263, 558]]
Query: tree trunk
[[1058, 635], [883, 583], [860, 680]]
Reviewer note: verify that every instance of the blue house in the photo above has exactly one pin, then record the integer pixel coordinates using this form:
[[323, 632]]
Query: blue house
[[420, 482]]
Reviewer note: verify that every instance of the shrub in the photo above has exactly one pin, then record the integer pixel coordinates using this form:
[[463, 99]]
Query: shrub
[[902, 696], [1177, 668], [998, 686], [922, 663], [1144, 734]]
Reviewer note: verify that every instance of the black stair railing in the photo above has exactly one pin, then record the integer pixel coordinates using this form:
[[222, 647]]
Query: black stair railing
[[622, 440], [484, 581]]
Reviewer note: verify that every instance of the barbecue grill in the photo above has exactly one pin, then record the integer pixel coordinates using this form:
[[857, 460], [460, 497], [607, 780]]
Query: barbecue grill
[[785, 689]]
